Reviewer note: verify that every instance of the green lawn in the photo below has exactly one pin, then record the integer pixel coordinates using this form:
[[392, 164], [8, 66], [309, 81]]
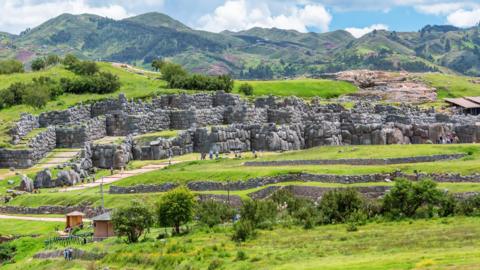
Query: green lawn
[[452, 85], [301, 88], [447, 243]]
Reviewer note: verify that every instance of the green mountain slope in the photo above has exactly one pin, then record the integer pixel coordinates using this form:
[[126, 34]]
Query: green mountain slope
[[254, 53]]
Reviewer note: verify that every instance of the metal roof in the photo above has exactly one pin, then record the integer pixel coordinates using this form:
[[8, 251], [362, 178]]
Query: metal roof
[[474, 99], [463, 102], [75, 213], [103, 217]]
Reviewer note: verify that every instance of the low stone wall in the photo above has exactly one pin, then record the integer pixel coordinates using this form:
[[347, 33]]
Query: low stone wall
[[22, 127], [70, 115], [382, 161], [75, 136], [78, 254], [58, 210], [232, 200], [300, 177], [38, 147]]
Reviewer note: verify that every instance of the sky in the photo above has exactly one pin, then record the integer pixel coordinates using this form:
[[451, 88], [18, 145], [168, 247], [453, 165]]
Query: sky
[[356, 16]]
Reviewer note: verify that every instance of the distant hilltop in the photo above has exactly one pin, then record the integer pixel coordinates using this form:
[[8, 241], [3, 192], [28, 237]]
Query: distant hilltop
[[257, 53]]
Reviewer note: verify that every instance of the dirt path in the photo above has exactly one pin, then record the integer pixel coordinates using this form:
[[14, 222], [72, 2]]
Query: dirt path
[[33, 218], [119, 176]]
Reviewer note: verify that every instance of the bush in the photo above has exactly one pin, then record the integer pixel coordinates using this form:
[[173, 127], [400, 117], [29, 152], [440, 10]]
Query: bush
[[469, 206], [132, 221], [170, 70], [201, 82], [241, 255], [38, 64], [261, 214], [84, 68], [243, 230], [175, 208], [101, 83], [246, 89], [36, 97], [12, 95], [212, 213], [7, 252], [11, 66], [36, 94], [406, 198], [338, 205], [52, 59]]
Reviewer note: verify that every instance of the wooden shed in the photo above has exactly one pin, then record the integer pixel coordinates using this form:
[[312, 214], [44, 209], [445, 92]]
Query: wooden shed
[[468, 105], [102, 226], [74, 219]]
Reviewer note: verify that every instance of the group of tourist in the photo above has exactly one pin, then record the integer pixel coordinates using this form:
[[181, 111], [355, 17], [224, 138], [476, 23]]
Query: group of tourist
[[448, 139], [236, 153]]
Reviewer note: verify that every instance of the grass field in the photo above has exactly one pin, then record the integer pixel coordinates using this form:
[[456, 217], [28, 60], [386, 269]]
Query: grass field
[[447, 243], [301, 88], [449, 86]]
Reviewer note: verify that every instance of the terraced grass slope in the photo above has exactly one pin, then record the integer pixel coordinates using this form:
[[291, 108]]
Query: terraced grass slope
[[447, 243], [301, 88], [451, 86]]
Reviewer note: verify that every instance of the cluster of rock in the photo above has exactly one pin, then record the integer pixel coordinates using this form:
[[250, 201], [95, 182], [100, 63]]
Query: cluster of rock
[[223, 122]]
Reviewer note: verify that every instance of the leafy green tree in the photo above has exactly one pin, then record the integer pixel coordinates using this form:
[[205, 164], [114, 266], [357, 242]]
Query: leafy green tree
[[243, 230], [212, 213], [132, 221], [246, 89], [169, 70], [13, 94], [36, 96], [406, 198], [261, 214], [38, 64], [337, 205], [175, 208], [11, 66], [70, 61], [52, 59], [157, 64]]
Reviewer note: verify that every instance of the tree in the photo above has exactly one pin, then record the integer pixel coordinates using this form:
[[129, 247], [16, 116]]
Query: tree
[[11, 66], [169, 70], [36, 96], [175, 208], [70, 61], [132, 221], [52, 59], [157, 64], [406, 198], [38, 64], [246, 89], [338, 205], [212, 213]]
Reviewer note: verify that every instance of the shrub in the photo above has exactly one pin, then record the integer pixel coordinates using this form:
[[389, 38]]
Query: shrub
[[36, 97], [101, 83], [338, 205], [406, 198], [261, 214], [469, 206], [215, 264], [212, 213], [12, 95], [79, 67], [11, 66], [52, 59], [175, 208], [38, 64], [201, 82], [170, 70], [241, 255], [132, 221], [243, 230], [246, 89], [7, 252]]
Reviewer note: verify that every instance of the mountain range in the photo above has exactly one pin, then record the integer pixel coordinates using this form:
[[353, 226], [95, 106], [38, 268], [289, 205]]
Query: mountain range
[[257, 53]]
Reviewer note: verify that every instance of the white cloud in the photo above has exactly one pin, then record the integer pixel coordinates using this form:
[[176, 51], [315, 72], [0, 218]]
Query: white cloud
[[236, 15], [440, 8], [464, 18], [359, 32], [15, 16]]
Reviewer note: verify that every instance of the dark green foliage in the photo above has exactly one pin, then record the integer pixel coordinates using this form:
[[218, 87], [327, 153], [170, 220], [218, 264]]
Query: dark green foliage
[[261, 214], [241, 255], [11, 66], [212, 213], [170, 70], [469, 206], [100, 83], [157, 64], [215, 264], [262, 72], [38, 64], [52, 59], [35, 94], [132, 221], [7, 252], [338, 205], [175, 208], [410, 199], [84, 68], [246, 89], [302, 210], [202, 82], [243, 230]]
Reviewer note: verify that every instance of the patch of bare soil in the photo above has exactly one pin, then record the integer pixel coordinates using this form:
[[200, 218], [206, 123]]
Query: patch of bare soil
[[389, 86]]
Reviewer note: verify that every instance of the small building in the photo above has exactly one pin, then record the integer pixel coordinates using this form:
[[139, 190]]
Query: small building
[[102, 226], [74, 219], [468, 105]]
